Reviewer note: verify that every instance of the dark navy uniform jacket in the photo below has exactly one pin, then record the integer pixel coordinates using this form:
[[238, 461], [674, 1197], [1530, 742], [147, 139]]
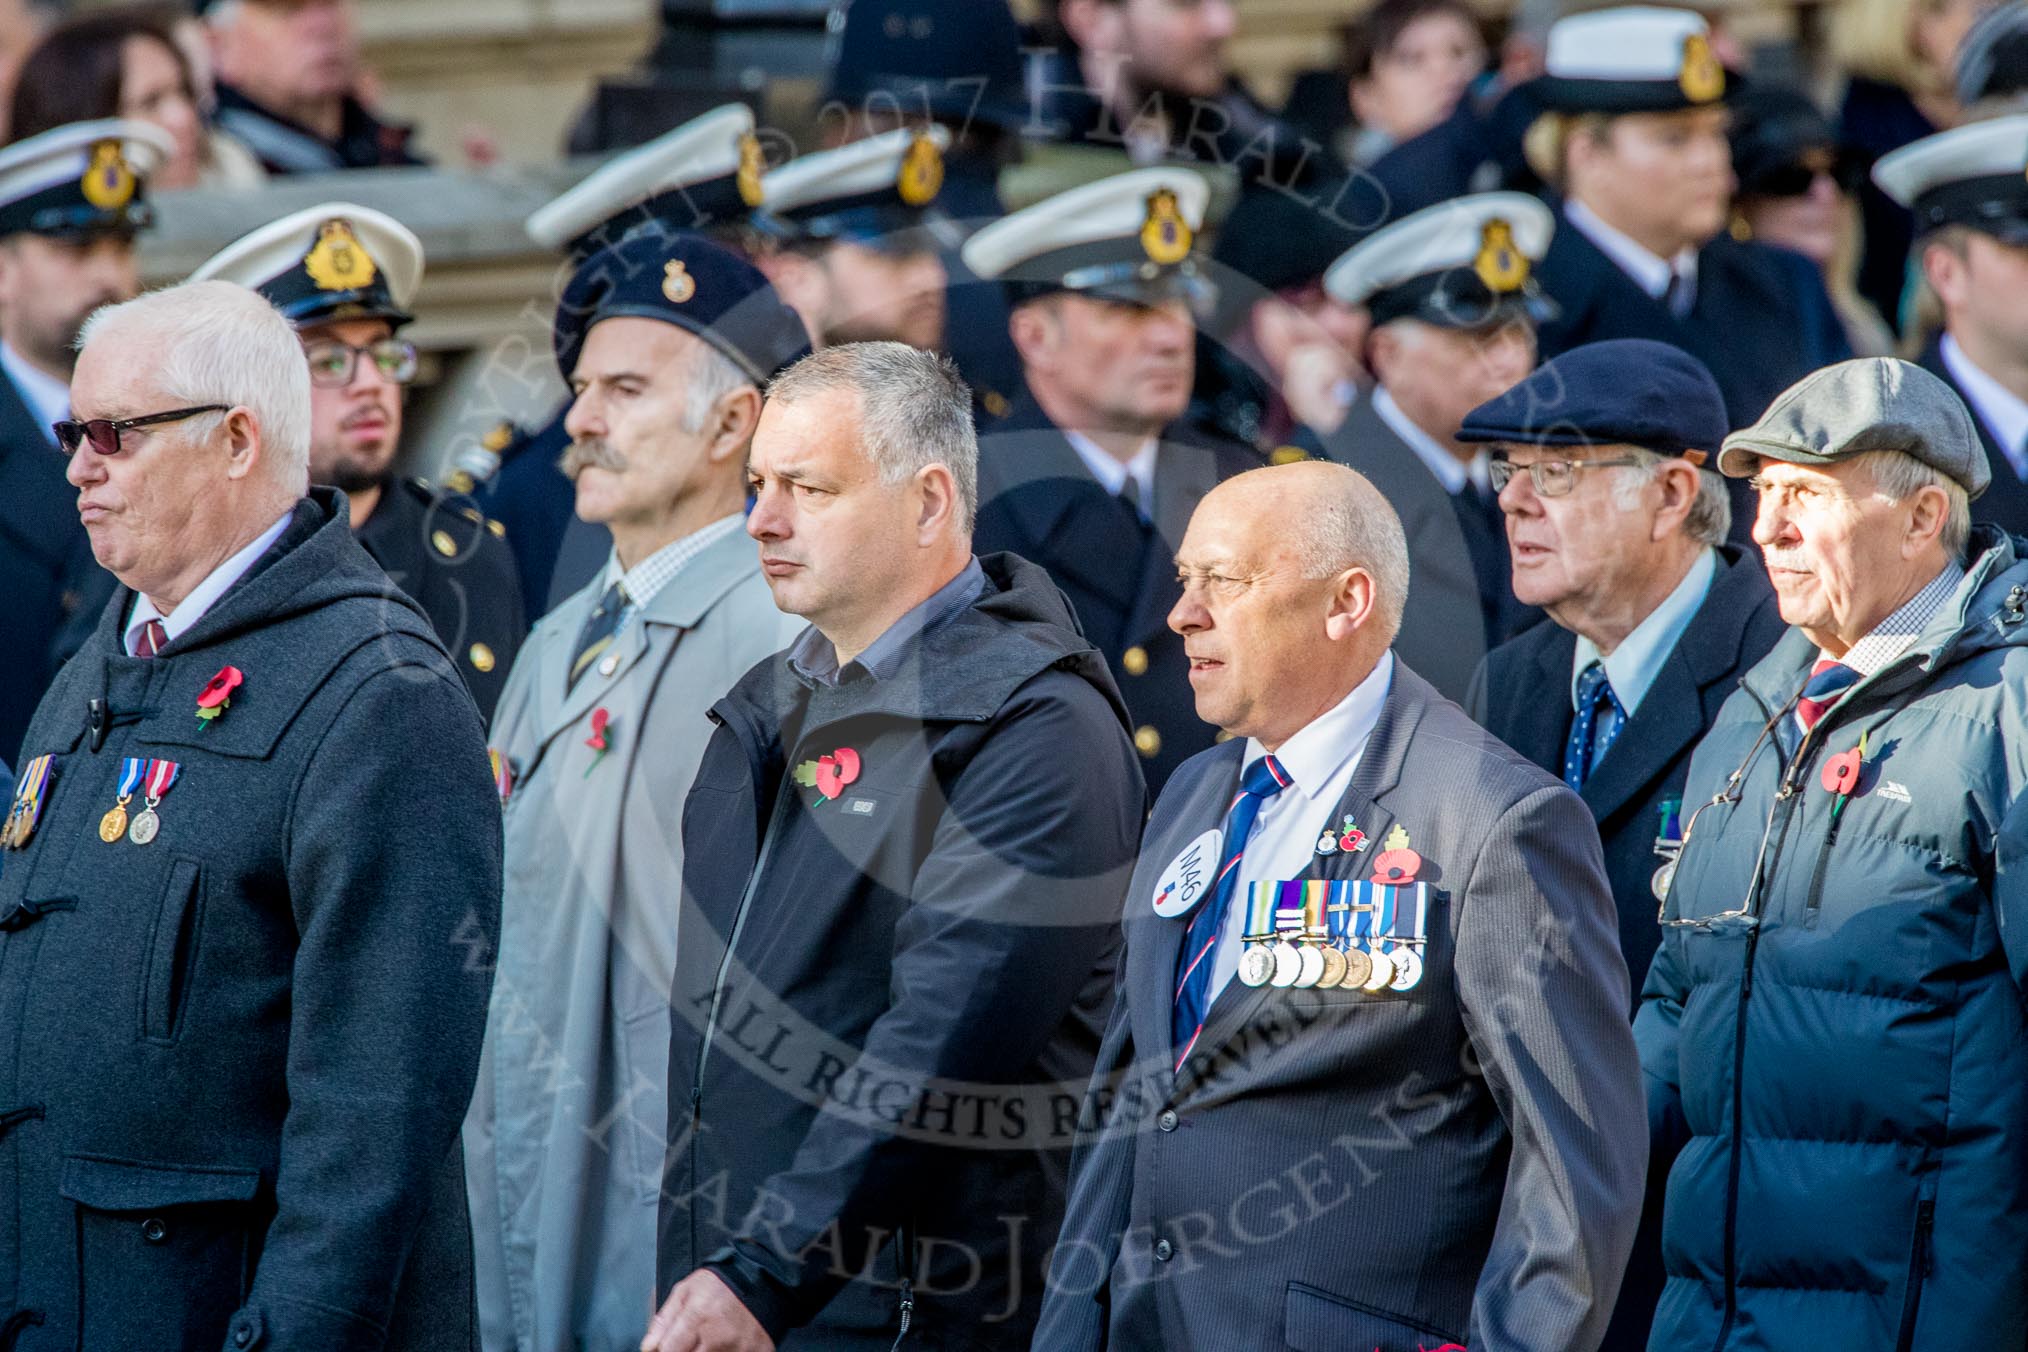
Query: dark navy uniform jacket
[[234, 1061], [45, 560], [2005, 501], [892, 976], [1038, 499]]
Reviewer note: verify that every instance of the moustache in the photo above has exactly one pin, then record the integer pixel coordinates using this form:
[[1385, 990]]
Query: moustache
[[592, 454], [1787, 559]]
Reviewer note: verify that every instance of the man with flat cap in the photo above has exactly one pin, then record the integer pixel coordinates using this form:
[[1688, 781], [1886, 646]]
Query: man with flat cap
[[1969, 196], [346, 276], [852, 238], [704, 176], [1617, 524], [1452, 303], [1833, 1032], [72, 201], [1089, 475], [1632, 143], [667, 340]]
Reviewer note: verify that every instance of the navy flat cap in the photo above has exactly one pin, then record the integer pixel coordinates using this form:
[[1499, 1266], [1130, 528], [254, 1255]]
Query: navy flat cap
[[683, 279], [1627, 391]]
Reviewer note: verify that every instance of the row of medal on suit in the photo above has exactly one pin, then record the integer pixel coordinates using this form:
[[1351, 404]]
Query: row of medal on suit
[[1321, 935]]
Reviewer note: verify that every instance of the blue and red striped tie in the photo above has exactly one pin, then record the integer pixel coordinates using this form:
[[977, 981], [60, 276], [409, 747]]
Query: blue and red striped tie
[[1827, 685], [1263, 780]]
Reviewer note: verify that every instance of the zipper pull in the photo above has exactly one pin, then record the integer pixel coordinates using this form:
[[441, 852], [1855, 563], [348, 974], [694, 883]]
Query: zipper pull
[[907, 1310]]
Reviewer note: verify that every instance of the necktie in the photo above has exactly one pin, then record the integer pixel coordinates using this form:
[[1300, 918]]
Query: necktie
[[1263, 780], [599, 628], [152, 640], [1130, 498], [1598, 721], [1678, 296], [1828, 682]]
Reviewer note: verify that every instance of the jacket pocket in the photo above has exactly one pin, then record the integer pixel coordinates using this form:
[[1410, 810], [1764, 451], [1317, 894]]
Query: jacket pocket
[[1315, 1320], [1919, 1263], [172, 952], [165, 1253]]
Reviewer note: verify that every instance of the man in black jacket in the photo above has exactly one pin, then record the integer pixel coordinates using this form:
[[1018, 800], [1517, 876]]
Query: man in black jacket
[[904, 854], [254, 849]]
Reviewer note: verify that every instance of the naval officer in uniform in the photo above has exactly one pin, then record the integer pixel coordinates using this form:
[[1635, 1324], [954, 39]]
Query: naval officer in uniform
[[1453, 307], [1087, 475], [72, 201], [1969, 194], [1368, 1081], [346, 276]]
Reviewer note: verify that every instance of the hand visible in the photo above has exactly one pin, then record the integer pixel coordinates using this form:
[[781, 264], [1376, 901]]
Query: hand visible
[[702, 1315], [1313, 382]]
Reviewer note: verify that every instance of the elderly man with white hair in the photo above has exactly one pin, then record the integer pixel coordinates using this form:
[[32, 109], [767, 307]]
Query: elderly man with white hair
[[253, 845], [1833, 1030], [1368, 1080]]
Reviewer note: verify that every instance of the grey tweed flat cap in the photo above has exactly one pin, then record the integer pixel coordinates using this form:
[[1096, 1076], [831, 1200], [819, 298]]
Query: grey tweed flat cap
[[1872, 404]]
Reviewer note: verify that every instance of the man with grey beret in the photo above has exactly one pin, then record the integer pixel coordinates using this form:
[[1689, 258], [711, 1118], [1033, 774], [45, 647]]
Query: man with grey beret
[[1833, 1031]]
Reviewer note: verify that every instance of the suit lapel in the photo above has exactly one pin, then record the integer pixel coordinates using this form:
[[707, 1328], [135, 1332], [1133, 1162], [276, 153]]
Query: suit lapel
[[1156, 942]]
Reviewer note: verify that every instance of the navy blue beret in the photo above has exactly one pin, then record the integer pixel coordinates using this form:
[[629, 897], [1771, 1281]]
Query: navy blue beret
[[687, 280], [1626, 391]]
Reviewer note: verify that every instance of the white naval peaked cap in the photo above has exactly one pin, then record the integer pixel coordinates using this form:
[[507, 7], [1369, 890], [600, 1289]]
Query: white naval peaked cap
[[810, 182], [1495, 237], [1115, 208], [1634, 58], [1975, 175], [80, 177], [332, 261], [713, 146]]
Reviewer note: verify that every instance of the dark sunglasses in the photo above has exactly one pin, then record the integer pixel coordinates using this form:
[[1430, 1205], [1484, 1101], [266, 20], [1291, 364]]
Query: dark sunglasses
[[1798, 176], [104, 433]]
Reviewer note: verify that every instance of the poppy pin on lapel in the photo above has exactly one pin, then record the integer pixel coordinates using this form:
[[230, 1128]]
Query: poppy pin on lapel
[[1396, 865], [216, 697], [829, 775], [601, 720]]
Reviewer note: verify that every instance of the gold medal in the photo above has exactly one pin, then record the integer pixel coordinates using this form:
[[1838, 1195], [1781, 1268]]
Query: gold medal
[[114, 824], [1256, 965], [145, 828], [1334, 969], [1358, 970]]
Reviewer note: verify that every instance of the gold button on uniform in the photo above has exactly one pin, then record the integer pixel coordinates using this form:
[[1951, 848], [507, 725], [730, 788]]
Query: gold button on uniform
[[442, 542], [482, 658], [1135, 660], [496, 528], [1147, 741]]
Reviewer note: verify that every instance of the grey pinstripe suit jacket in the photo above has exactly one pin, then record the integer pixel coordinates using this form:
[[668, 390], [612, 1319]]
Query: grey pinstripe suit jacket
[[1462, 1162]]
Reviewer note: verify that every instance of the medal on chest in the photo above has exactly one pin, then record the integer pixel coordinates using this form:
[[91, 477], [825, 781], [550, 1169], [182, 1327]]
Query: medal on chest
[[157, 779], [30, 792], [113, 825]]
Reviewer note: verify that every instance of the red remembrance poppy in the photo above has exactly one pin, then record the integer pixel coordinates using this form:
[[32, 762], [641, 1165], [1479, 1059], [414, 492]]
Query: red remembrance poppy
[[599, 719], [837, 770], [218, 690], [1396, 866], [1841, 773]]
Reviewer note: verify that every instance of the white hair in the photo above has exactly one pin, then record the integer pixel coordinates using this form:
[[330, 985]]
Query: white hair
[[1710, 518], [710, 378], [222, 343], [915, 410], [1358, 528], [1899, 476]]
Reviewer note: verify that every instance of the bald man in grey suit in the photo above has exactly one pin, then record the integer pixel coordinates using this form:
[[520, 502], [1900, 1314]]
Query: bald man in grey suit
[[1396, 1109]]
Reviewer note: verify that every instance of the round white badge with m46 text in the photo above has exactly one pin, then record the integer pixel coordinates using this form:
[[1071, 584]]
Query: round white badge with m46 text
[[1189, 875]]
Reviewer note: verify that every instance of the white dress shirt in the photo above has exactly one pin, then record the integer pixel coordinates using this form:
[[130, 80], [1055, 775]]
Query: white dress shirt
[[1320, 761], [1450, 471], [205, 594], [46, 398], [1635, 664], [1650, 271], [1999, 408], [1112, 473]]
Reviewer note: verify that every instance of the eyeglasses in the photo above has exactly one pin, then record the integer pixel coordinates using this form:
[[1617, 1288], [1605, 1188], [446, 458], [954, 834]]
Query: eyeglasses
[[1797, 177], [332, 363], [1552, 478], [104, 433]]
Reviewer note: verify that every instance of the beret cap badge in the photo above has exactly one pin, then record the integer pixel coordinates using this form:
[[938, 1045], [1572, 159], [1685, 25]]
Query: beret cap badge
[[338, 261], [678, 285], [753, 166], [108, 181], [1165, 235], [1702, 78]]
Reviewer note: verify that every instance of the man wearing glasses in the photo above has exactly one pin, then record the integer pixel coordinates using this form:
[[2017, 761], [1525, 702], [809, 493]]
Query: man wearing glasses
[[346, 277], [1618, 530], [1833, 1031], [71, 202]]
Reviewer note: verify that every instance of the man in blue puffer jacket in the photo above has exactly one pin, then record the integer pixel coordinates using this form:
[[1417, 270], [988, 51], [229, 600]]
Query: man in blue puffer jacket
[[1833, 1031]]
